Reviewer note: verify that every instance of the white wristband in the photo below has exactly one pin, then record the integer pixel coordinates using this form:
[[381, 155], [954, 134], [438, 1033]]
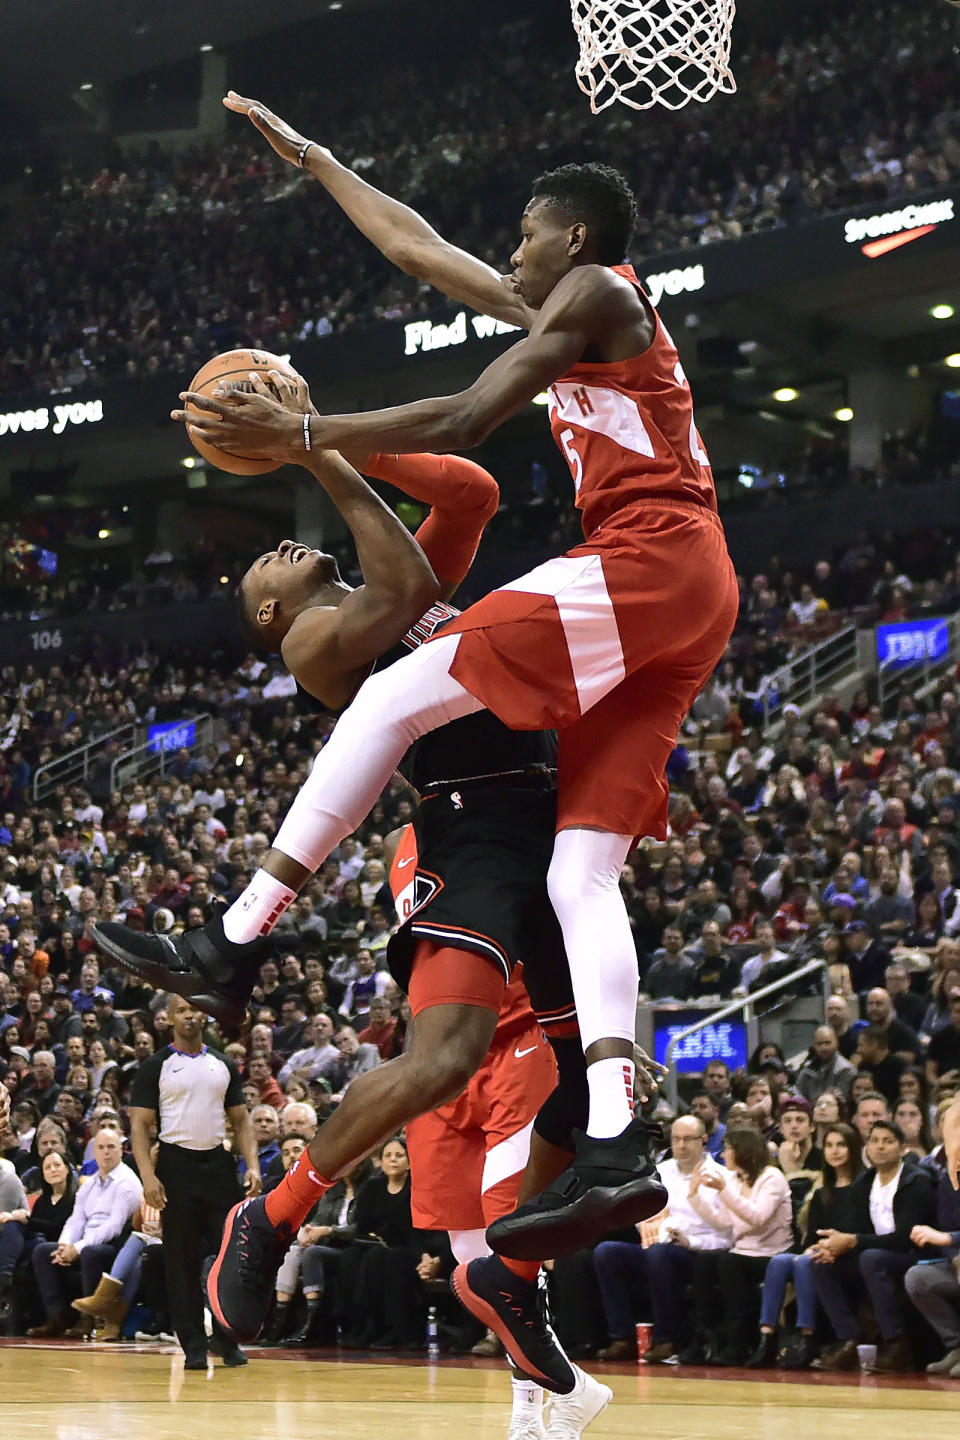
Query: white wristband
[[307, 437]]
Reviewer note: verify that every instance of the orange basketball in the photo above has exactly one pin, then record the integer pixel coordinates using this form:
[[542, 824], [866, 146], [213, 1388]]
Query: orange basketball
[[232, 369]]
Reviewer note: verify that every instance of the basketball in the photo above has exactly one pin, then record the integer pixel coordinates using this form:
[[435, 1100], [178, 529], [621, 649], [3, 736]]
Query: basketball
[[233, 368]]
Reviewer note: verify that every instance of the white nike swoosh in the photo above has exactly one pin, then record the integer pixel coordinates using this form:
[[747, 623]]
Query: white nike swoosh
[[520, 1053], [402, 863]]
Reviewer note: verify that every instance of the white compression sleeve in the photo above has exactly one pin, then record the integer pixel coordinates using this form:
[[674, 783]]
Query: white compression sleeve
[[584, 886], [390, 711], [468, 1245]]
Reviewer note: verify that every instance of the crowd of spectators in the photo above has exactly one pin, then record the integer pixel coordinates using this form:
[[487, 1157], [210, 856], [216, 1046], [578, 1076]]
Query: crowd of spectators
[[156, 261], [835, 839]]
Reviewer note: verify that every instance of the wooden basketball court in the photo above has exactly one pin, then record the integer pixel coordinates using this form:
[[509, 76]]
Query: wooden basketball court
[[88, 1392]]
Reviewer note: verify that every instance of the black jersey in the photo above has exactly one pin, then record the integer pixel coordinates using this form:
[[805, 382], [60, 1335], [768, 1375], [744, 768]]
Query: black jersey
[[474, 748]]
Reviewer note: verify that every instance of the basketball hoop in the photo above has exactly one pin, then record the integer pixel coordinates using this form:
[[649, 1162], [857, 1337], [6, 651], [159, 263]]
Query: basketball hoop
[[653, 52]]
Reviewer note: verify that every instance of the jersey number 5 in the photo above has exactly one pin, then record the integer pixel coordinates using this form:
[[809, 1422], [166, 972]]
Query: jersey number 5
[[575, 463]]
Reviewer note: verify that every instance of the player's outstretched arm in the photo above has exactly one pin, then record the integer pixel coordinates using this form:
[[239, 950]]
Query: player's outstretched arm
[[584, 304], [398, 232]]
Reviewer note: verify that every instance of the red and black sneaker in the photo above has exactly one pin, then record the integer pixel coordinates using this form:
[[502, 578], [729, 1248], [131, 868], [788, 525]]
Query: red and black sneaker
[[515, 1310], [241, 1280], [202, 965], [609, 1185]]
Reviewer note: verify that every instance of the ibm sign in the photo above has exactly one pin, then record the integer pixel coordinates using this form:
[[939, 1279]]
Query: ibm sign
[[911, 642], [182, 735], [726, 1040]]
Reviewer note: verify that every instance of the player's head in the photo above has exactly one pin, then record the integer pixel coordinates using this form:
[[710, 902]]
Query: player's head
[[576, 215], [282, 583]]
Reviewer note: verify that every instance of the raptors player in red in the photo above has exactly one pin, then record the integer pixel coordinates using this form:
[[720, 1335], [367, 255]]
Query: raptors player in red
[[610, 643]]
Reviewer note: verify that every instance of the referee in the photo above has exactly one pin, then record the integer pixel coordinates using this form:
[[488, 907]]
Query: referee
[[187, 1091]]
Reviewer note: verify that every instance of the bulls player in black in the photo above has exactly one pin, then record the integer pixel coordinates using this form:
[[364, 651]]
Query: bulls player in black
[[485, 831]]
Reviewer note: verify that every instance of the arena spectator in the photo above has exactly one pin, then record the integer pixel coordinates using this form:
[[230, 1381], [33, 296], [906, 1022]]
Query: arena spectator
[[707, 1110], [380, 1029], [797, 1152], [943, 1052], [663, 1261], [768, 955], [319, 1058], [716, 970], [89, 1240], [266, 1130], [827, 1208], [755, 1203], [355, 1059], [901, 1039], [837, 1012], [826, 1069], [888, 1201], [873, 1054], [671, 973]]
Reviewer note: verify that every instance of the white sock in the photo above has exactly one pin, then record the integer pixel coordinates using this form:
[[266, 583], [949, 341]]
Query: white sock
[[611, 1096], [257, 909], [527, 1402]]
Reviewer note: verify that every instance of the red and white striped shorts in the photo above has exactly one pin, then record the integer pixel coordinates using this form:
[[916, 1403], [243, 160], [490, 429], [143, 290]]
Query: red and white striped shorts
[[610, 644]]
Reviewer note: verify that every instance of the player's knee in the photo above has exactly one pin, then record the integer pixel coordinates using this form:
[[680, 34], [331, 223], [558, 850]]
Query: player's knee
[[444, 1070]]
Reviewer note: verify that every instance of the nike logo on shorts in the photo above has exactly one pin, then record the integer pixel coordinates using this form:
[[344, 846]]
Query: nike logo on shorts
[[401, 864], [519, 1054]]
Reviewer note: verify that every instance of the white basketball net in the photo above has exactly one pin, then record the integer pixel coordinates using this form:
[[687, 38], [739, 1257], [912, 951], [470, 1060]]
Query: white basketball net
[[653, 52]]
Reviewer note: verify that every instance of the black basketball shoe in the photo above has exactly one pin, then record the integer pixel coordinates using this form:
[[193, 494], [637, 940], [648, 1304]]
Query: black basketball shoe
[[202, 965], [609, 1185], [241, 1279], [515, 1310]]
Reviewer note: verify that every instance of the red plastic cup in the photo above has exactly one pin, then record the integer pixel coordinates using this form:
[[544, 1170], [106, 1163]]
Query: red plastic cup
[[644, 1340]]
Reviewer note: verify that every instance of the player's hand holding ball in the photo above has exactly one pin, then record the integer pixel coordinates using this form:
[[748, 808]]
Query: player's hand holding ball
[[289, 144], [246, 421]]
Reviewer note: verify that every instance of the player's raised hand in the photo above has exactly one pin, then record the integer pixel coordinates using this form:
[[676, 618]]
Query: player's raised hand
[[288, 143], [292, 391], [251, 423], [649, 1073]]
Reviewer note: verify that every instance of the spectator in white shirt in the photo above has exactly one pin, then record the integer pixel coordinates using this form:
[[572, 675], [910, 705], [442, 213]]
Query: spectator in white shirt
[[320, 1058], [89, 1240], [767, 954], [664, 1258]]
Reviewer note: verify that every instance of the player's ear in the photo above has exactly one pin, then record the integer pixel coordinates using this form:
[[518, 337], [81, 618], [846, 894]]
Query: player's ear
[[577, 238], [266, 612]]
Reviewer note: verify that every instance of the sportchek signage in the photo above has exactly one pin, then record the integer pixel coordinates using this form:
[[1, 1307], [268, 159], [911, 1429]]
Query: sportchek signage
[[895, 228]]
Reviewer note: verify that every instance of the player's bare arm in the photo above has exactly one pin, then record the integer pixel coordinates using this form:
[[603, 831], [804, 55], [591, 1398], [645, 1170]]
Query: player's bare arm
[[329, 649], [398, 232], [591, 309]]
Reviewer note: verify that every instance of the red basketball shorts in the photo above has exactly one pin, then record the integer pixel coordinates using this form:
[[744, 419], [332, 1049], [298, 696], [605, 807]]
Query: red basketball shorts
[[610, 644], [467, 1159]]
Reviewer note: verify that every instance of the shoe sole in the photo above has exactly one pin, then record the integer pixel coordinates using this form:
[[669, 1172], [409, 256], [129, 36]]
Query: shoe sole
[[211, 1277], [579, 1225], [161, 978], [484, 1311]]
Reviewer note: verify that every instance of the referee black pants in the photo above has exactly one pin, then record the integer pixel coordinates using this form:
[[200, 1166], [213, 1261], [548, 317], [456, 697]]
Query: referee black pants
[[201, 1186]]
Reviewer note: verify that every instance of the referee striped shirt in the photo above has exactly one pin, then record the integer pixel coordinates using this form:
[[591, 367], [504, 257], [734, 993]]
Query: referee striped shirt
[[190, 1094]]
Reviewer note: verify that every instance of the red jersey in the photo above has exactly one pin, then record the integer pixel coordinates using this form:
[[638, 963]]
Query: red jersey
[[628, 432]]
